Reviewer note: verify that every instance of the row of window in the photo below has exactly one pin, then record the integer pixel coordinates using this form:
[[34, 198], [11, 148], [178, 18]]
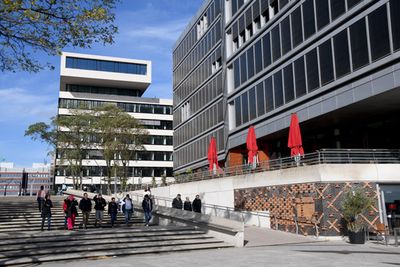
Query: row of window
[[18, 175], [101, 90], [103, 65], [197, 149], [292, 31], [198, 76], [132, 171], [205, 120], [191, 37], [263, 5], [195, 56], [127, 107], [139, 155], [347, 51], [201, 98]]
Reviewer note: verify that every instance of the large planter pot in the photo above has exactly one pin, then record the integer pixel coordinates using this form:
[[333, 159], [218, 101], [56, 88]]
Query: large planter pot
[[357, 237]]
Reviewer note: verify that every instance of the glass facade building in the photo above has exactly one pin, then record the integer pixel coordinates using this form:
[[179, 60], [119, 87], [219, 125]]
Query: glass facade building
[[331, 61]]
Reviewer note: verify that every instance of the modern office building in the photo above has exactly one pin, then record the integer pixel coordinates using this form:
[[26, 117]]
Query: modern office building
[[92, 81], [254, 62], [11, 178]]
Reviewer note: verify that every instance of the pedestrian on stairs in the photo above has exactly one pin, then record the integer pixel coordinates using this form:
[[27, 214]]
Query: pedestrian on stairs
[[46, 211], [71, 211], [187, 205], [99, 205], [113, 210], [197, 204], [85, 205], [177, 202], [40, 195], [127, 208], [147, 205]]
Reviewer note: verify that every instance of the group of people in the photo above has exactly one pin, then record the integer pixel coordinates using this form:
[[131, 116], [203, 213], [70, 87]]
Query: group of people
[[187, 204]]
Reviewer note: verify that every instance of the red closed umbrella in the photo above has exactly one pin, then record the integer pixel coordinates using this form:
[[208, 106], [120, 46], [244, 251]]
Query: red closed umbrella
[[251, 143], [294, 141], [212, 154]]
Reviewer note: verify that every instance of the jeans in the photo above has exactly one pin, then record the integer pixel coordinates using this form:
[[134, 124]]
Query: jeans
[[147, 216], [113, 218], [48, 221], [99, 216], [128, 215], [85, 218], [40, 201]]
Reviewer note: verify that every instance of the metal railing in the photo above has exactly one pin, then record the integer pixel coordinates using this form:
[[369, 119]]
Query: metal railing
[[323, 156], [214, 210]]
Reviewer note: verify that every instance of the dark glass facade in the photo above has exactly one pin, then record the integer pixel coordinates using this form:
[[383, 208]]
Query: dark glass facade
[[103, 65]]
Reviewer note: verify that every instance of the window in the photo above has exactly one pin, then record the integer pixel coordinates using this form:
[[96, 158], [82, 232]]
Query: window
[[379, 33], [351, 3], [278, 91], [286, 40], [338, 7], [342, 61], [308, 18], [252, 103], [359, 46], [245, 108], [395, 20], [297, 30], [276, 43], [300, 78], [326, 63], [258, 56], [234, 7], [312, 70], [243, 68], [266, 50], [322, 7], [282, 3], [250, 62], [288, 79], [238, 112], [269, 94], [236, 73], [260, 99]]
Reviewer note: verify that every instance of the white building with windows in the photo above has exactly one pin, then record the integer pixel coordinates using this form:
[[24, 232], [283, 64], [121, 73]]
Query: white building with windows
[[92, 81]]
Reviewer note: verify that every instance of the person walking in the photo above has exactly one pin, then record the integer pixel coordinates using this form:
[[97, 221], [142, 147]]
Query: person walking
[[113, 210], [99, 205], [85, 205], [147, 205], [177, 202], [71, 211], [46, 211], [197, 204], [127, 208], [40, 196], [187, 205]]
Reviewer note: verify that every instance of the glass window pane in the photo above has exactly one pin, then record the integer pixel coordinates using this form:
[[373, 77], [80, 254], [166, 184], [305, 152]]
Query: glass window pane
[[300, 77], [286, 39], [326, 62], [243, 68], [297, 30], [258, 56], [359, 46], [338, 7], [342, 61], [250, 62], [322, 7], [278, 91], [245, 108], [269, 95], [236, 73], [351, 3], [379, 33], [308, 18], [266, 50], [260, 99], [312, 70], [289, 87], [395, 20], [252, 103], [276, 43]]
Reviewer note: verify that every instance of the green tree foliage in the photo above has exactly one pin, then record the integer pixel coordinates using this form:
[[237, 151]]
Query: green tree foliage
[[31, 26], [355, 203]]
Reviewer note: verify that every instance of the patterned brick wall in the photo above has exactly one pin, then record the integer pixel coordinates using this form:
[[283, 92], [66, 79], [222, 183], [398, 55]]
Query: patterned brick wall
[[315, 206]]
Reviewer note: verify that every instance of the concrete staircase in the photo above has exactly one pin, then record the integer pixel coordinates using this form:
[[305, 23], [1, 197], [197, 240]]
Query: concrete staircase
[[22, 242]]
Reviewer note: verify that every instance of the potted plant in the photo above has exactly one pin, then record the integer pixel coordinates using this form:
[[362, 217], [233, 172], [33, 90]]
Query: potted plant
[[355, 203]]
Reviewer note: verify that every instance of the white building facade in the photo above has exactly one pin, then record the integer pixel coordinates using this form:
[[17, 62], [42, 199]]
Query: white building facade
[[92, 81]]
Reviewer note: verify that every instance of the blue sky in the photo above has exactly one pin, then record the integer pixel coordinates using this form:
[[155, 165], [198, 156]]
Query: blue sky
[[147, 30]]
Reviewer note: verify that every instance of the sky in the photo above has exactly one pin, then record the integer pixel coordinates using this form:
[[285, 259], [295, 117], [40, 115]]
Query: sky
[[148, 30]]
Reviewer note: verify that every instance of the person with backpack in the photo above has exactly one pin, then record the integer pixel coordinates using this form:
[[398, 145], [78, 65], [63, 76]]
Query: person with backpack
[[113, 210], [147, 205], [46, 211], [99, 205], [85, 205]]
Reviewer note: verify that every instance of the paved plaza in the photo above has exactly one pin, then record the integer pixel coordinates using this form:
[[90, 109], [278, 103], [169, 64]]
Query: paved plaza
[[264, 248]]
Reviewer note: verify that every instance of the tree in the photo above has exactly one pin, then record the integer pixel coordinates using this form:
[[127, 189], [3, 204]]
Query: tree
[[28, 27], [121, 136]]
